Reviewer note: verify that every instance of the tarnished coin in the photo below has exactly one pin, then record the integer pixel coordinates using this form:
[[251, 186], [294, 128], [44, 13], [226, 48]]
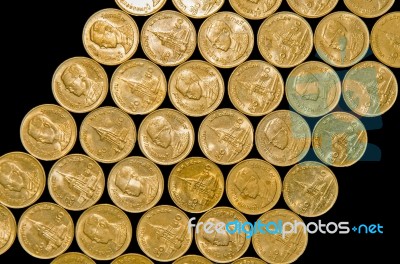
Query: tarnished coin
[[168, 38], [80, 84], [22, 180], [313, 89], [163, 233], [255, 9], [132, 258], [110, 36], [283, 138], [369, 8], [273, 244], [196, 184], [138, 86], [8, 230], [253, 186], [103, 232], [370, 88], [213, 239], [339, 139], [48, 132], [310, 189], [45, 230], [198, 9], [249, 260], [341, 39], [192, 259], [107, 134], [135, 184], [141, 7], [312, 8], [225, 39], [166, 136], [226, 136], [285, 39], [73, 258], [255, 88], [385, 38], [76, 182], [196, 88]]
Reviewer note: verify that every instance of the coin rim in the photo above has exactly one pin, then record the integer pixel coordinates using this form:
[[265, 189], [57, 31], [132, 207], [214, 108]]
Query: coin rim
[[292, 6], [73, 254], [115, 261], [137, 14], [237, 10], [13, 230], [360, 14], [193, 16]]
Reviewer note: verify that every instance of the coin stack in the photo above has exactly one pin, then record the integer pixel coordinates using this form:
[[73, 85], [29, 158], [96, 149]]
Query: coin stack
[[198, 148]]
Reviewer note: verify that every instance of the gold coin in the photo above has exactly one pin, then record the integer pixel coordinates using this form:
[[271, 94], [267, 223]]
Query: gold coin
[[339, 139], [73, 258], [141, 7], [370, 8], [196, 88], [76, 182], [225, 39], [135, 184], [48, 132], [283, 138], [270, 244], [168, 38], [217, 244], [80, 84], [313, 89], [370, 88], [255, 9], [341, 39], [8, 229], [253, 186], [312, 9], [192, 259], [103, 232], [196, 184], [132, 258], [249, 260], [110, 36], [163, 234], [385, 39], [310, 189], [255, 88], [198, 9], [226, 136], [138, 86], [107, 134], [166, 136], [45, 230], [285, 39]]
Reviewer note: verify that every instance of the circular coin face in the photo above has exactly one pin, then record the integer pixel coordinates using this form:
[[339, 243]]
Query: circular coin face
[[73, 258], [8, 229], [370, 8], [110, 36], [249, 260], [192, 259], [132, 258], [140, 7], [255, 9], [198, 9], [312, 9]]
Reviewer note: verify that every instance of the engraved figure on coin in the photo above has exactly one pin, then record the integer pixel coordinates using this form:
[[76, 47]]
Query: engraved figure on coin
[[312, 7], [53, 233], [113, 135], [5, 230], [282, 248], [14, 179]]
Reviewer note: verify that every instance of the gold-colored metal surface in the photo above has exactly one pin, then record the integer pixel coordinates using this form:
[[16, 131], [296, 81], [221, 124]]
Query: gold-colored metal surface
[[312, 8], [255, 9], [369, 8], [132, 258], [249, 260], [198, 9], [141, 7], [8, 229], [73, 258], [192, 259]]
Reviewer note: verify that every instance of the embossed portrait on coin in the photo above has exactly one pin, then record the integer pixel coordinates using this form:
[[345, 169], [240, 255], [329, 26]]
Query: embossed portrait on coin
[[5, 230], [107, 36], [14, 179], [98, 229], [222, 238], [130, 183]]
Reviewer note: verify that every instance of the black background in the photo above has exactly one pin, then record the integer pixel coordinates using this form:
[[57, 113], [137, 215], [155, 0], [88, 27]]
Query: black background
[[38, 36]]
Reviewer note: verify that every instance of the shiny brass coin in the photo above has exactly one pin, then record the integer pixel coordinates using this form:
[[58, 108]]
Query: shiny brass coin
[[135, 184], [138, 86], [226, 136], [285, 39], [140, 7], [312, 8], [198, 9], [166, 136], [48, 132], [283, 138], [313, 89], [370, 88], [73, 258], [80, 84], [253, 186], [132, 258], [110, 36], [370, 8], [107, 134], [8, 229], [45, 230], [217, 244], [196, 88], [339, 139], [272, 246], [103, 232], [255, 88], [76, 182], [341, 39], [249, 260], [225, 39], [310, 189], [168, 38], [385, 39], [196, 184], [255, 9], [192, 259], [163, 234]]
